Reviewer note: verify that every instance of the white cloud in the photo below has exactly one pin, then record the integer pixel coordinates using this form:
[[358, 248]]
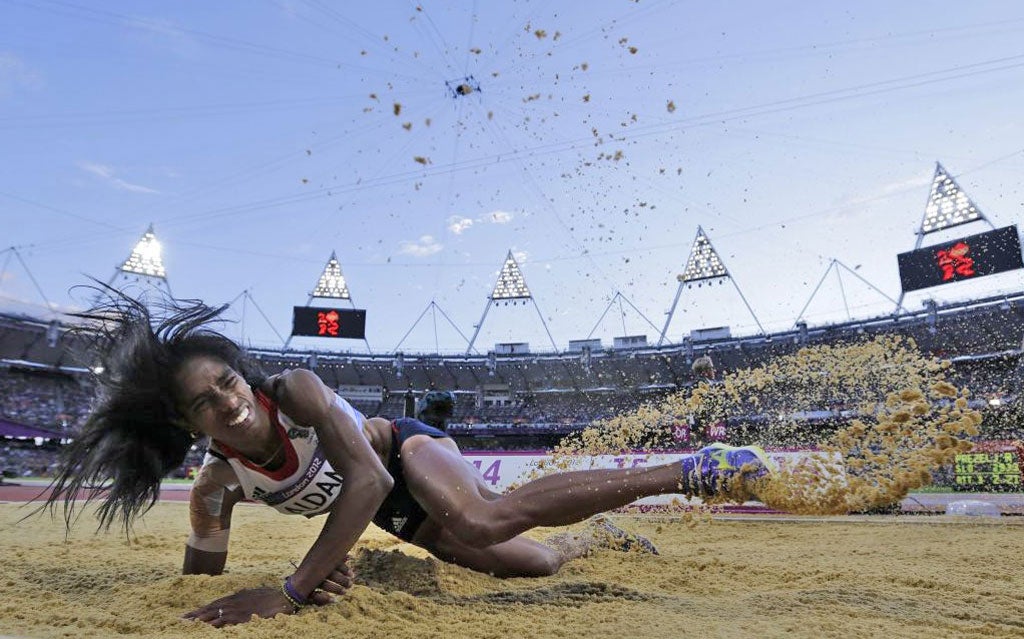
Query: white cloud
[[458, 225], [106, 174], [499, 217], [423, 247]]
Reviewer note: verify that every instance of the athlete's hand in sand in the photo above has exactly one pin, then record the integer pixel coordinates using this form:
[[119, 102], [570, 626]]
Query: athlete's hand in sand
[[269, 602], [338, 583], [241, 606]]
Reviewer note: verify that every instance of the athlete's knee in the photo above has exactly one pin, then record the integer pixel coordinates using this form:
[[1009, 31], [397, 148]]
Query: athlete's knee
[[543, 563], [479, 527]]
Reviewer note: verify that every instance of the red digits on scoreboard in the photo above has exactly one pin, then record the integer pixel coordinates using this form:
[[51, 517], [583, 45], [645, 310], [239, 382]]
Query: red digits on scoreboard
[[954, 261], [328, 323]]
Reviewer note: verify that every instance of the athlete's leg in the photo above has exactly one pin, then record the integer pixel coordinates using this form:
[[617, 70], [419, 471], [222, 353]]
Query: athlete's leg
[[525, 557], [517, 557], [450, 491]]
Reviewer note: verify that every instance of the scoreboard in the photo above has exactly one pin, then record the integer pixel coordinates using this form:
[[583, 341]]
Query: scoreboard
[[963, 259], [987, 471], [329, 322]]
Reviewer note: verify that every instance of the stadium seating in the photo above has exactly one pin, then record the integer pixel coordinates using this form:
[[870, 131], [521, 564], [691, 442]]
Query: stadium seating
[[531, 400]]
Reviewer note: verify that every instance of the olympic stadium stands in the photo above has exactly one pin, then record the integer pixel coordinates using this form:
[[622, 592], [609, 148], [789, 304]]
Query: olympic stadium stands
[[531, 400]]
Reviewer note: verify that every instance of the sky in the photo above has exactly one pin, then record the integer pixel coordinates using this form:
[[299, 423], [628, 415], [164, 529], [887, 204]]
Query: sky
[[258, 137]]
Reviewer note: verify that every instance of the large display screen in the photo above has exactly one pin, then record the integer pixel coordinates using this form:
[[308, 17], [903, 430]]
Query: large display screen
[[964, 259], [329, 322], [987, 471]]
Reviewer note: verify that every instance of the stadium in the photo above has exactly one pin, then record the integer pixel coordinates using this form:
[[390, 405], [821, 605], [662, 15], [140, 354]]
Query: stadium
[[511, 406], [589, 142], [511, 398]]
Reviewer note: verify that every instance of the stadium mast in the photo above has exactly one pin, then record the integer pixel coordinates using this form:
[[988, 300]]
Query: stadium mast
[[13, 251], [510, 288], [619, 297], [432, 306], [247, 297], [331, 285], [836, 264], [703, 264], [947, 206]]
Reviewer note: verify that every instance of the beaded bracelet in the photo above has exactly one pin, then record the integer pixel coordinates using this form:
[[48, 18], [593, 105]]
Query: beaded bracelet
[[292, 594]]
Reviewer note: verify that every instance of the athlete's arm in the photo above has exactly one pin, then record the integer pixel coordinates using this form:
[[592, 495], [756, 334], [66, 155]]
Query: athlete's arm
[[306, 399], [213, 495]]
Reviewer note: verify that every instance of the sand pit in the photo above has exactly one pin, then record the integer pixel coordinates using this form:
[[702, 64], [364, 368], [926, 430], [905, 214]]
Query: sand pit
[[838, 577]]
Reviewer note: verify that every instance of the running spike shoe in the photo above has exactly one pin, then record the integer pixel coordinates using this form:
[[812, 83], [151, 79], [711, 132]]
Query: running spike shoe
[[715, 469]]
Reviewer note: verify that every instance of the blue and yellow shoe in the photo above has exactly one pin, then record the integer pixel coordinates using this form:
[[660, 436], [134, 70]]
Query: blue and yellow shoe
[[720, 469]]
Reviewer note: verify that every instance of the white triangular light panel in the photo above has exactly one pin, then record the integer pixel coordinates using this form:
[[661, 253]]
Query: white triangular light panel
[[948, 205], [703, 263], [510, 285], [332, 283], [146, 258]]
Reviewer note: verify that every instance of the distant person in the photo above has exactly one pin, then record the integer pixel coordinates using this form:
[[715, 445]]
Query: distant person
[[703, 368], [710, 418], [435, 408], [290, 442]]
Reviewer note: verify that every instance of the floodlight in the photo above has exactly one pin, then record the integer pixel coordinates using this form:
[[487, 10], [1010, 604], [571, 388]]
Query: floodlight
[[332, 283], [947, 204], [704, 263], [510, 285], [145, 258]]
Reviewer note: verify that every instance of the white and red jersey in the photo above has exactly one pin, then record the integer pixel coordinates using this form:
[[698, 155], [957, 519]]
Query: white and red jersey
[[305, 484]]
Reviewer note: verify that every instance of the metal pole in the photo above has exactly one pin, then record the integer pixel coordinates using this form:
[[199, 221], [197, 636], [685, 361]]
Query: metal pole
[[365, 341], [811, 299], [545, 325], [601, 319], [445, 315], [33, 278], [414, 325], [264, 315], [842, 293], [671, 312], [290, 335], [747, 304], [873, 287], [490, 301], [649, 322]]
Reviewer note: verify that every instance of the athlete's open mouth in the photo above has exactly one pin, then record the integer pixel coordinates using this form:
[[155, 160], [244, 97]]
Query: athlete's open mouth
[[240, 416]]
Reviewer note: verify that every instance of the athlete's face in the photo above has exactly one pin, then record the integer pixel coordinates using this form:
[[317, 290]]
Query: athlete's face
[[216, 401]]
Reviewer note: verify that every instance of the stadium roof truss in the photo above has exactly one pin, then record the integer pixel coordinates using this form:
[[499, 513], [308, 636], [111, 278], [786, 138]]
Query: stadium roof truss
[[703, 264]]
